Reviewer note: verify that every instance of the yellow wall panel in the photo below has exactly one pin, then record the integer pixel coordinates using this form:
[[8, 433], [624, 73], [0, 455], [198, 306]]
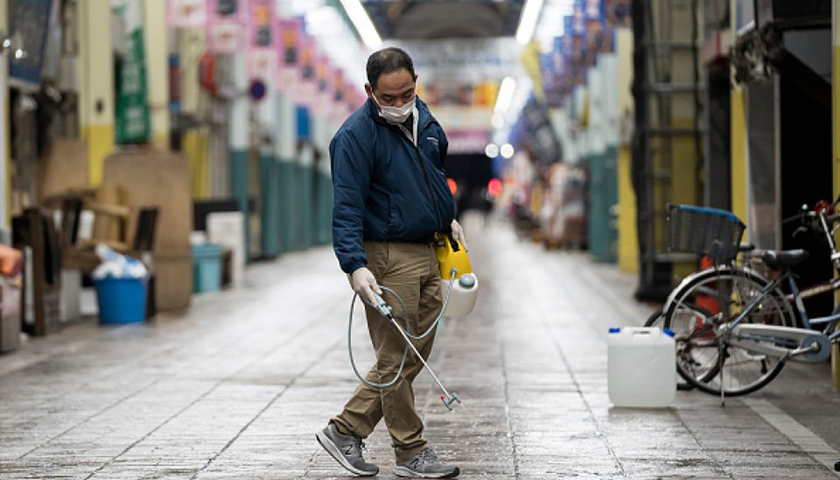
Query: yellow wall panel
[[96, 83], [195, 148], [628, 240], [100, 141], [157, 69], [739, 154]]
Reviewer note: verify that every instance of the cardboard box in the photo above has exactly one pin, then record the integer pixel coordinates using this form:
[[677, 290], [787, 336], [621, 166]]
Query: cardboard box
[[63, 167], [173, 282], [161, 179]]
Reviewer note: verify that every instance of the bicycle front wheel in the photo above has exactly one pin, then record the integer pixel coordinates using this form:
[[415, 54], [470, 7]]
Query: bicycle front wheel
[[710, 300]]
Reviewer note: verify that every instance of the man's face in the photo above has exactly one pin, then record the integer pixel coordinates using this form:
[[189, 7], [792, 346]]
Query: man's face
[[393, 89]]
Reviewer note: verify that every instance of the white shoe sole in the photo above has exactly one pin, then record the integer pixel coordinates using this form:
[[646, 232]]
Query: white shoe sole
[[334, 452], [401, 471]]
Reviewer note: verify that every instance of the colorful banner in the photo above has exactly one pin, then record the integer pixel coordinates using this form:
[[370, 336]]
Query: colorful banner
[[262, 39], [322, 75], [618, 13], [226, 26], [289, 31], [307, 86], [187, 13], [261, 32]]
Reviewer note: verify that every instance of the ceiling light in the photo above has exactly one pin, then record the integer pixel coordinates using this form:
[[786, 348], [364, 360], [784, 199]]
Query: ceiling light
[[507, 151], [362, 22], [498, 120], [506, 91], [528, 21]]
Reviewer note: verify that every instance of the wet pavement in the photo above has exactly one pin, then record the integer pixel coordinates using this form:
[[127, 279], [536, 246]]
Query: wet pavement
[[237, 386]]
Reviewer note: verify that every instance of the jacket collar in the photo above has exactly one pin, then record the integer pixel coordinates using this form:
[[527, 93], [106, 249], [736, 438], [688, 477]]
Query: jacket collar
[[422, 111]]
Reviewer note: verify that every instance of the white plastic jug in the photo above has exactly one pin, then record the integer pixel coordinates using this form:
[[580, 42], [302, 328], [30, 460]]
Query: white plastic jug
[[462, 299], [641, 367]]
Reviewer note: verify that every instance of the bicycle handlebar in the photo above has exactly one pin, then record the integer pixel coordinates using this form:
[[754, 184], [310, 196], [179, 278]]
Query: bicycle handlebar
[[810, 215]]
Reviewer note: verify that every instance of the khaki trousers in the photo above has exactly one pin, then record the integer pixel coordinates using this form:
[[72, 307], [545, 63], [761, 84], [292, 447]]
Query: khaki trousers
[[411, 270]]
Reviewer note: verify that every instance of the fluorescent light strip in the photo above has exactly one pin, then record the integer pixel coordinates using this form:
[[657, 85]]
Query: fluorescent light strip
[[528, 21], [362, 22], [506, 91]]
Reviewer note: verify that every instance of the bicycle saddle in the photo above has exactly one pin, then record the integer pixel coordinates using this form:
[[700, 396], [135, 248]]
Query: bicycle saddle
[[781, 259]]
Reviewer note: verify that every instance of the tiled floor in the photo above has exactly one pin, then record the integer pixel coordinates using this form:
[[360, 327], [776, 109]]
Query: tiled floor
[[237, 386]]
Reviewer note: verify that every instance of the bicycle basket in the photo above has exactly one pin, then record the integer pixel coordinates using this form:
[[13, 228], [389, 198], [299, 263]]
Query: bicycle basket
[[705, 231]]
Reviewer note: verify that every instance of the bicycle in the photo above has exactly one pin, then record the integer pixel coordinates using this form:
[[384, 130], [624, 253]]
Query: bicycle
[[734, 327]]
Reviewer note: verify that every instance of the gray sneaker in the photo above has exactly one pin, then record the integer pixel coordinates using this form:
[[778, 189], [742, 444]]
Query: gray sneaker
[[425, 465], [346, 450]]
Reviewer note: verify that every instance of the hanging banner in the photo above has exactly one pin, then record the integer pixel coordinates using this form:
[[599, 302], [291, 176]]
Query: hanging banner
[[132, 121], [596, 35], [261, 32], [618, 13], [323, 96], [262, 37], [307, 84], [29, 23], [186, 13], [227, 21], [289, 30]]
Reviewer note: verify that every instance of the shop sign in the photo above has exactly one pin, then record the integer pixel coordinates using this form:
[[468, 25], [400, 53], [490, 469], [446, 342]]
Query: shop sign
[[133, 124]]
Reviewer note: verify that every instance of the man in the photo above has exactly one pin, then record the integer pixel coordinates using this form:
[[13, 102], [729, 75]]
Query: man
[[390, 198]]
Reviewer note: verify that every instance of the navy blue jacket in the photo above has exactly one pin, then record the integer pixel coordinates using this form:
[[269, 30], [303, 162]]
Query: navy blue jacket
[[385, 188]]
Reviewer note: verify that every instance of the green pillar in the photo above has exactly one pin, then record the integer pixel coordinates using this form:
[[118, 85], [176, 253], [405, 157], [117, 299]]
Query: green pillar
[[286, 148], [306, 198], [603, 194], [239, 140], [270, 192]]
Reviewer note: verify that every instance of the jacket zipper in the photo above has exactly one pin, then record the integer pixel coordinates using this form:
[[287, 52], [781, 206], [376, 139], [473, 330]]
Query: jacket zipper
[[426, 174], [425, 171]]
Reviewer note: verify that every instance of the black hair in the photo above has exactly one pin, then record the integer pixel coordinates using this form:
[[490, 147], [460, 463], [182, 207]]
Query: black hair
[[387, 60]]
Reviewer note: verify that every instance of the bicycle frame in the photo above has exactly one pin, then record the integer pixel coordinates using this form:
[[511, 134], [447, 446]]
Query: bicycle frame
[[796, 296], [830, 321]]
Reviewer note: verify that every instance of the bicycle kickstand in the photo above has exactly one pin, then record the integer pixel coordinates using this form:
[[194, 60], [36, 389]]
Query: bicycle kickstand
[[721, 359]]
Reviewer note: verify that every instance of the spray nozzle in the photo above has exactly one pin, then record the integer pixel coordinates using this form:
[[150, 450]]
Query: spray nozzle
[[449, 400], [380, 305]]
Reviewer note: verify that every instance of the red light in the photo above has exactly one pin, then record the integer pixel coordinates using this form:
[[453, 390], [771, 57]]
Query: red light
[[494, 187], [453, 187]]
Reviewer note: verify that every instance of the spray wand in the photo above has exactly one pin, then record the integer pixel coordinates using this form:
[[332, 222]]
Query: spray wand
[[385, 310]]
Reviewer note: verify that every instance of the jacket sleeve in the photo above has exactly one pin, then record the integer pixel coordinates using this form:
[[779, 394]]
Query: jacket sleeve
[[352, 164], [444, 148]]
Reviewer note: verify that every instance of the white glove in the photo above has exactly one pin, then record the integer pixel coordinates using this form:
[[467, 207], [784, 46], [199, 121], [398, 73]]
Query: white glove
[[364, 284], [458, 234]]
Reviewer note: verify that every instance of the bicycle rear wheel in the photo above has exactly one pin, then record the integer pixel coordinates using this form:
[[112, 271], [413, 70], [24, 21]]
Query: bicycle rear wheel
[[701, 307]]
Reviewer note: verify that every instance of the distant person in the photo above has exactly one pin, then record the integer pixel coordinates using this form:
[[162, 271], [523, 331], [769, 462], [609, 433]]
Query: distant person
[[390, 198]]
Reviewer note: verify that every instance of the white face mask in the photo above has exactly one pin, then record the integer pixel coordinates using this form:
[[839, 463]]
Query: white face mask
[[396, 115]]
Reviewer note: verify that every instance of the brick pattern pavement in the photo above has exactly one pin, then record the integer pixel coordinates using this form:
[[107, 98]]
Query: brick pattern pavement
[[237, 386]]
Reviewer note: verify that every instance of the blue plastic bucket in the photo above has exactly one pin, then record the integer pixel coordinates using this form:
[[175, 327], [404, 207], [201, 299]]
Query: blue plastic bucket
[[121, 300], [207, 268]]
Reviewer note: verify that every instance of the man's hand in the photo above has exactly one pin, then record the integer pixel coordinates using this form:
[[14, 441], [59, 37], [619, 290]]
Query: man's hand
[[458, 234], [364, 284]]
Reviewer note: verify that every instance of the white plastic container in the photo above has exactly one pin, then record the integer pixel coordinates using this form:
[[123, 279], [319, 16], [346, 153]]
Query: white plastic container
[[641, 367], [227, 229], [462, 299]]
